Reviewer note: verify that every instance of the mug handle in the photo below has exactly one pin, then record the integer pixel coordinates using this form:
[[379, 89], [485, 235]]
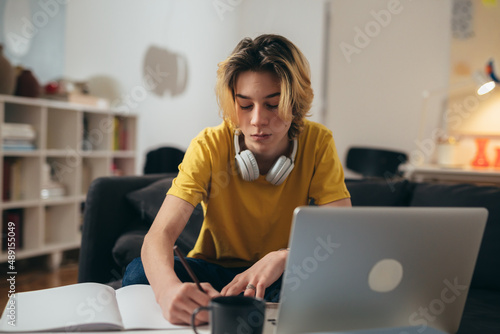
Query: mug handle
[[193, 316]]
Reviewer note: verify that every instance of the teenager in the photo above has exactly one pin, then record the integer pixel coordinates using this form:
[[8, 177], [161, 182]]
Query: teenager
[[249, 173]]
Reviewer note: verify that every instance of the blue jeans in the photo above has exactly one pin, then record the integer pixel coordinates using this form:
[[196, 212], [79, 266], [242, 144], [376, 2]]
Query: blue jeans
[[214, 274]]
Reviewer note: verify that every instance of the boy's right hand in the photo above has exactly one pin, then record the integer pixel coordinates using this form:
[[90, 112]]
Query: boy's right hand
[[180, 300]]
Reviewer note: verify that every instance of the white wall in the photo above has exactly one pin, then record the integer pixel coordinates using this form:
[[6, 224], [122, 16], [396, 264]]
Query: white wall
[[301, 21], [109, 39], [375, 85]]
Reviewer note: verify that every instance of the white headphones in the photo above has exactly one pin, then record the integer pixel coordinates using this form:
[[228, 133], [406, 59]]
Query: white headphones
[[249, 170]]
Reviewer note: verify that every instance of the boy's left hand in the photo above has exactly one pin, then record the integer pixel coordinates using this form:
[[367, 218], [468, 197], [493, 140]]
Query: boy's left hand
[[254, 281]]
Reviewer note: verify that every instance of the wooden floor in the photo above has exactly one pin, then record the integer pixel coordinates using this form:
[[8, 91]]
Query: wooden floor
[[33, 275]]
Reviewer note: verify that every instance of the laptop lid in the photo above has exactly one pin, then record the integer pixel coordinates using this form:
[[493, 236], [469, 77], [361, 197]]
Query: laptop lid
[[384, 267]]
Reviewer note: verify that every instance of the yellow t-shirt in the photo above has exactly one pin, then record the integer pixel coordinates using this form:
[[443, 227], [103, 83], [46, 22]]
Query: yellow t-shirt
[[246, 220]]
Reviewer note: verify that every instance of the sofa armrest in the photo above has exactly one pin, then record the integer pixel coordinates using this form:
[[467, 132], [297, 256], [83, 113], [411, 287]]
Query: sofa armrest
[[108, 215]]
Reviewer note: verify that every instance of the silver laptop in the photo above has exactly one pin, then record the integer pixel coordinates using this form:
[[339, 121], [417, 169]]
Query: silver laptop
[[379, 270]]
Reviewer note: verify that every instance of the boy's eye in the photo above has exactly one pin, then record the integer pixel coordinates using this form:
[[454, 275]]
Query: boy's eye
[[246, 107], [272, 106]]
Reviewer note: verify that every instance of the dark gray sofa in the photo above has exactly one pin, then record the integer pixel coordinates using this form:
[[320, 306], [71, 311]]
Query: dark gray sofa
[[119, 211]]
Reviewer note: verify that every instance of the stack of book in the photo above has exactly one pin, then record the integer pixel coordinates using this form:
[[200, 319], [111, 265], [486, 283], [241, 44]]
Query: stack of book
[[18, 137]]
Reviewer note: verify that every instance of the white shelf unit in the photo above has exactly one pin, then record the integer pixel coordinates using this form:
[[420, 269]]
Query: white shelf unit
[[80, 143]]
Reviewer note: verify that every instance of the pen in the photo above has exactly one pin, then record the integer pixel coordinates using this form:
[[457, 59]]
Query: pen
[[187, 267]]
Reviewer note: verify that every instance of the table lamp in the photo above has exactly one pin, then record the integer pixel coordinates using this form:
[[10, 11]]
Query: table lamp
[[484, 80], [485, 84]]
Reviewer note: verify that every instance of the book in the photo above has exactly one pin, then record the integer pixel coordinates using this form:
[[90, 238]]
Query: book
[[16, 180], [12, 187], [6, 191], [18, 131], [18, 145], [84, 307], [12, 229]]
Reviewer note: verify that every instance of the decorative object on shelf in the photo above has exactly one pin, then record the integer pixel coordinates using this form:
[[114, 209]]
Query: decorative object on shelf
[[481, 160], [52, 87], [27, 84], [50, 187], [497, 160], [7, 75], [73, 92], [115, 170], [447, 151]]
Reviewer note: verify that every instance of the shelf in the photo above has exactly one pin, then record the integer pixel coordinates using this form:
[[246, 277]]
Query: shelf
[[74, 144], [62, 200], [95, 154], [123, 154], [12, 153], [20, 204], [28, 253], [56, 153]]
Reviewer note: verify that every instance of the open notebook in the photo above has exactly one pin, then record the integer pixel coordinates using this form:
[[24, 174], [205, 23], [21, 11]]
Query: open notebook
[[84, 307]]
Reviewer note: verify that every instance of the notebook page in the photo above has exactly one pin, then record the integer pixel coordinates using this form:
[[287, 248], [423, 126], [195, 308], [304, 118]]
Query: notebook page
[[140, 310], [86, 305]]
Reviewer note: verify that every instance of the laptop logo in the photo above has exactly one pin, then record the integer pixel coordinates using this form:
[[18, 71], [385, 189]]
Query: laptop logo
[[385, 275]]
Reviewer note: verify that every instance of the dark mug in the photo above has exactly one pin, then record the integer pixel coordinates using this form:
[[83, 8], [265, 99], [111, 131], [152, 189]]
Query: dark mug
[[234, 314]]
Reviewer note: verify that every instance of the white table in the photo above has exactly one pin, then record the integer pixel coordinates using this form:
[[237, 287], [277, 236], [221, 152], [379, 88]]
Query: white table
[[271, 313], [464, 174]]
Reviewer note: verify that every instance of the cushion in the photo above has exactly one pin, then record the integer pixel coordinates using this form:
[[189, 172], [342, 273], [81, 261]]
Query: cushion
[[487, 271], [379, 192], [128, 247], [148, 200]]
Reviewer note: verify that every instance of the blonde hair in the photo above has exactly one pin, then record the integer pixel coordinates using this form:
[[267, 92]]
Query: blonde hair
[[275, 54]]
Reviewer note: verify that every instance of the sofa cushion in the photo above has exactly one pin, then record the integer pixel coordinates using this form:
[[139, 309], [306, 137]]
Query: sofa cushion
[[379, 192], [148, 200], [487, 271], [128, 247]]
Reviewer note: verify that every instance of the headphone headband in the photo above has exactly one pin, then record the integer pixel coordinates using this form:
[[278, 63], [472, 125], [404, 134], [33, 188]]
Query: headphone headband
[[237, 141]]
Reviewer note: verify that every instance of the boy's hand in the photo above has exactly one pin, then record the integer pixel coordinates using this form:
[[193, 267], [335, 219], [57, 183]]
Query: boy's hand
[[179, 302], [260, 276]]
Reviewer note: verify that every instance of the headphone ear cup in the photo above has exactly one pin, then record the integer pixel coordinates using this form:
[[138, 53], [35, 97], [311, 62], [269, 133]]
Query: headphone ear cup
[[248, 166], [286, 172], [280, 170], [242, 169]]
